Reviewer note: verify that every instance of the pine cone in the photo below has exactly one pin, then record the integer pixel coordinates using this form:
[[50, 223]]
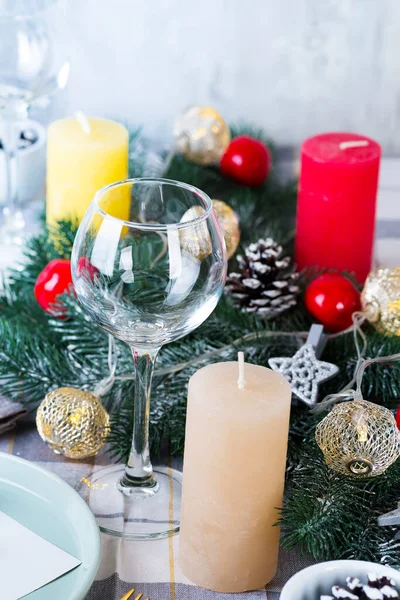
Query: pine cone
[[267, 283], [377, 588]]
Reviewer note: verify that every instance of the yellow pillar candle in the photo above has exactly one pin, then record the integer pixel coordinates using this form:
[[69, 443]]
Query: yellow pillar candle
[[233, 476], [83, 155]]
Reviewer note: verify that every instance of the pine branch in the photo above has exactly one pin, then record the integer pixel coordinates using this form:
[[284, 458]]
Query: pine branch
[[332, 516], [29, 365]]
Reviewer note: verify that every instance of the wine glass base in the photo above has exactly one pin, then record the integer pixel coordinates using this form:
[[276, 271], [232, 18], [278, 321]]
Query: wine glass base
[[144, 514]]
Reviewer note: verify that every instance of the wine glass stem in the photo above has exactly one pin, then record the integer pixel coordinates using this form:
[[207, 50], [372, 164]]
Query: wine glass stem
[[13, 219], [139, 471]]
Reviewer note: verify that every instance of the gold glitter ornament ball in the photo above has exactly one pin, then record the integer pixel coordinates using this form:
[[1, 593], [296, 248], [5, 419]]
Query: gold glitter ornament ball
[[196, 238], [201, 135], [380, 298], [73, 422], [359, 438], [229, 222]]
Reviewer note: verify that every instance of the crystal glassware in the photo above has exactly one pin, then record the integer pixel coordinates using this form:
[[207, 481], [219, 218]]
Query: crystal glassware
[[33, 65], [149, 266]]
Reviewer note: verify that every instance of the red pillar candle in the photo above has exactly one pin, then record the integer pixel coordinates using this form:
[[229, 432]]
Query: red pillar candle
[[336, 203]]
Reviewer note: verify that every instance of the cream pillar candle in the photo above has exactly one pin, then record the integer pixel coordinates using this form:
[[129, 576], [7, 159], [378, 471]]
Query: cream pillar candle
[[233, 476]]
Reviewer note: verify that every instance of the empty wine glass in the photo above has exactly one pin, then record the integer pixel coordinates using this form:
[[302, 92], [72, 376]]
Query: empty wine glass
[[149, 266], [33, 64]]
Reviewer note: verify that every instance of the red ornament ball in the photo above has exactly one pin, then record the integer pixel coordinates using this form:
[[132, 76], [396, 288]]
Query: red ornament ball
[[54, 280], [247, 160], [398, 418], [332, 299]]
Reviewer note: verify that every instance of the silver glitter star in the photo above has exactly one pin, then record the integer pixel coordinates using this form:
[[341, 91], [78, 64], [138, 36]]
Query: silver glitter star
[[304, 372]]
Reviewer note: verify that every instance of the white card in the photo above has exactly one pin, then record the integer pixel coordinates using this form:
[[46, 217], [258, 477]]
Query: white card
[[27, 561]]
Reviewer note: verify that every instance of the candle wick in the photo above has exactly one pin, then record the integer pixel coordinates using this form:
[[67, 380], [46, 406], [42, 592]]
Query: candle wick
[[353, 144], [83, 121], [241, 380]]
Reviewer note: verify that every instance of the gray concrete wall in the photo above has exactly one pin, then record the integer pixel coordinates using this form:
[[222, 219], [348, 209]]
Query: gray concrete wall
[[296, 67]]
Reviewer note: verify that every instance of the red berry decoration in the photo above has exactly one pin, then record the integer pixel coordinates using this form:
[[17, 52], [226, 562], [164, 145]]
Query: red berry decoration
[[332, 299], [86, 269], [247, 160], [398, 418], [55, 279]]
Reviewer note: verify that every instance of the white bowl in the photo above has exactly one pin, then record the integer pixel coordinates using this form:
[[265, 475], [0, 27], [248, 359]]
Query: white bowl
[[312, 582]]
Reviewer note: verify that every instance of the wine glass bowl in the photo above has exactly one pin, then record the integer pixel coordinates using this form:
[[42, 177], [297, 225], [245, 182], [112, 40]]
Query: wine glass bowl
[[149, 266], [144, 287], [33, 59], [33, 65]]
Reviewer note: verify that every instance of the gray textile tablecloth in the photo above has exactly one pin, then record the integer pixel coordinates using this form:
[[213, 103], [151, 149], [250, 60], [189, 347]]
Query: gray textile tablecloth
[[10, 412], [149, 567]]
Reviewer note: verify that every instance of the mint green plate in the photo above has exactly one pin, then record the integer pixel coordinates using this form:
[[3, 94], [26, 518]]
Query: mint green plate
[[51, 508]]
